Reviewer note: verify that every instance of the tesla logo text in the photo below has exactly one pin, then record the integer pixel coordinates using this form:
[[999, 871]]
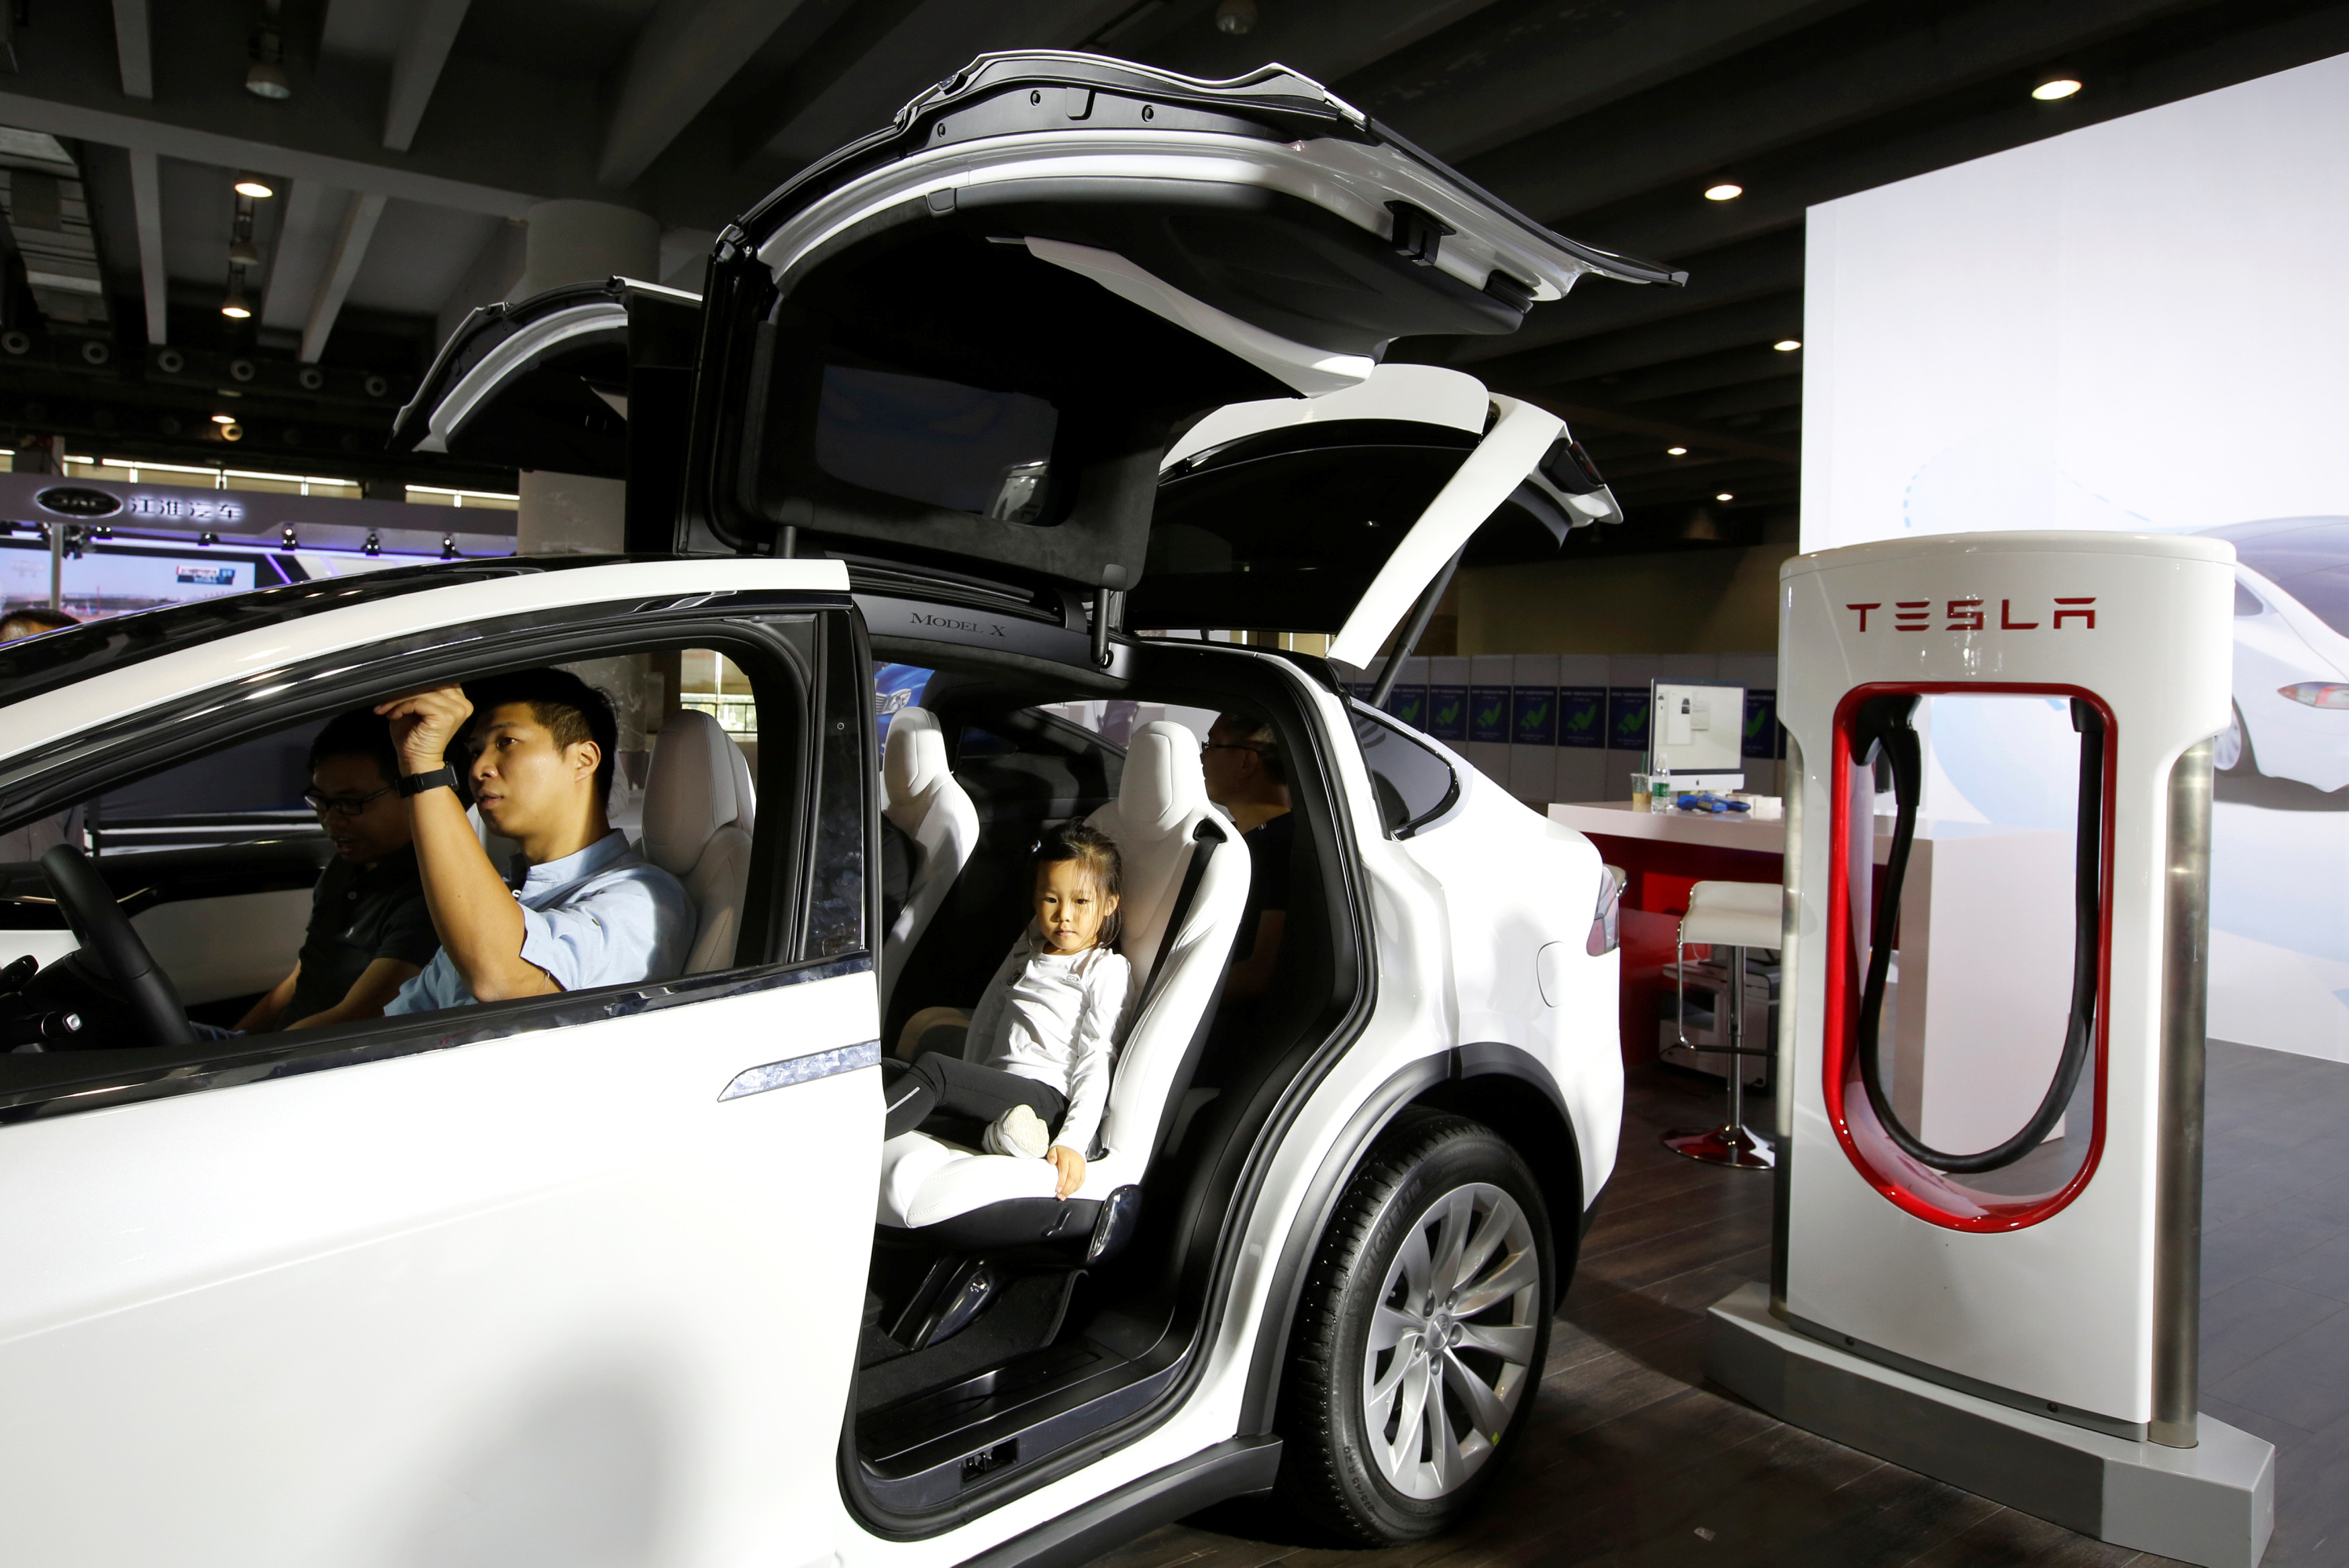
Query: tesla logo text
[[947, 623], [1973, 614]]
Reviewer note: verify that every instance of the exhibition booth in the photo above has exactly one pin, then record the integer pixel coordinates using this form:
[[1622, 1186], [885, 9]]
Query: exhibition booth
[[1027, 544]]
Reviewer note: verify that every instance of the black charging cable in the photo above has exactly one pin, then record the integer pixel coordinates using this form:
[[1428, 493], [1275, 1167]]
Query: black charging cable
[[1882, 731]]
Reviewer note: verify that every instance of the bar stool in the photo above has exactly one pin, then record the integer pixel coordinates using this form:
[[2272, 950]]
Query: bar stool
[[1736, 916]]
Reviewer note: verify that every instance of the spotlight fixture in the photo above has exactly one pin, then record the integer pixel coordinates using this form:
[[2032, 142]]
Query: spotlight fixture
[[285, 536], [244, 253], [448, 547], [1724, 495], [223, 418], [236, 307], [374, 546], [1727, 190], [266, 79], [254, 185], [2055, 88], [231, 431], [1676, 451], [1235, 16], [1787, 345], [208, 536]]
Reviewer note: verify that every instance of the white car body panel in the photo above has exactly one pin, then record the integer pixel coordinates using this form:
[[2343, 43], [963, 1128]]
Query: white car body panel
[[2282, 645], [466, 1304]]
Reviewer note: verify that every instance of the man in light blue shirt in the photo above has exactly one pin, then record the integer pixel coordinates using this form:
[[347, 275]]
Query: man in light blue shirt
[[591, 910]]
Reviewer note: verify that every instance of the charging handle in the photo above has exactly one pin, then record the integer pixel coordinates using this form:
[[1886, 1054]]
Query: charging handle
[[1884, 737]]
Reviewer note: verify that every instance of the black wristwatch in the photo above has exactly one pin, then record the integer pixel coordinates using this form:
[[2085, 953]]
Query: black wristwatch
[[441, 777]]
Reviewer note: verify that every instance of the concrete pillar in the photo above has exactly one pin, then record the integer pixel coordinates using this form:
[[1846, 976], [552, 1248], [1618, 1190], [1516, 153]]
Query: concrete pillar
[[570, 242]]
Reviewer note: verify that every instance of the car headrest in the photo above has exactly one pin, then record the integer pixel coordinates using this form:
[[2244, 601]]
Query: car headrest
[[913, 762], [699, 782], [1162, 788]]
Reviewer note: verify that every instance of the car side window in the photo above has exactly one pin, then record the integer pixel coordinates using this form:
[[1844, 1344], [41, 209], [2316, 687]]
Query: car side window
[[1414, 785]]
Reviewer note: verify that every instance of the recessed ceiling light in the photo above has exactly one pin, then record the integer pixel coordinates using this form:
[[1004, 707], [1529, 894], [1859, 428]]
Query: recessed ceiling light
[[1787, 345], [2055, 88], [1724, 495], [254, 185], [1676, 451], [1724, 191], [223, 418]]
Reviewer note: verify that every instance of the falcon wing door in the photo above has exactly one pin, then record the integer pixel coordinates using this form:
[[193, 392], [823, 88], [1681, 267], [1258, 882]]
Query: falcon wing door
[[588, 379], [967, 341]]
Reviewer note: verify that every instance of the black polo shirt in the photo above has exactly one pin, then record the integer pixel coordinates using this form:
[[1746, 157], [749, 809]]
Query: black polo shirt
[[358, 914], [1269, 844]]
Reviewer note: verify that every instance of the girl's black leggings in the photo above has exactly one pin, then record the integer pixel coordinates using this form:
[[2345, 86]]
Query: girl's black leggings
[[934, 1084]]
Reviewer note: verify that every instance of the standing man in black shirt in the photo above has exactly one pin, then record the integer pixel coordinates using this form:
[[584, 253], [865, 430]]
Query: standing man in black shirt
[[1245, 777], [370, 931]]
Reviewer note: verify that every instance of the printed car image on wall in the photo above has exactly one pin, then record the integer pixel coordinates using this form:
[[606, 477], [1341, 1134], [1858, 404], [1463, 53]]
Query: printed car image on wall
[[2292, 664]]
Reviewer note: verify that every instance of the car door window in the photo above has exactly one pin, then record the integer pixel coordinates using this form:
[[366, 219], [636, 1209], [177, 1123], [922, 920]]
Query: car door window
[[237, 884], [1414, 785]]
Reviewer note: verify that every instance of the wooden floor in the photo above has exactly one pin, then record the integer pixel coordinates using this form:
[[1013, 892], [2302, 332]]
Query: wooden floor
[[1633, 1458]]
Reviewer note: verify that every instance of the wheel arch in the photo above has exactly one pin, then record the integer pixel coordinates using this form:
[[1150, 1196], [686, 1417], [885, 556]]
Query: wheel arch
[[1487, 1082]]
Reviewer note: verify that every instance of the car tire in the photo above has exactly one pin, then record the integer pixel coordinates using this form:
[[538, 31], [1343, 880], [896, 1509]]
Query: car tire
[[2230, 752], [1366, 1455]]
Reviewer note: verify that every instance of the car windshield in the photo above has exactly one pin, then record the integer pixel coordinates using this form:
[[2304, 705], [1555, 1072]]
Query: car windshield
[[36, 665]]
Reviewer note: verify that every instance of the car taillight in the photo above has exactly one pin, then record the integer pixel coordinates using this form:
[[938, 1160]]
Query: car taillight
[[1606, 920], [2317, 694]]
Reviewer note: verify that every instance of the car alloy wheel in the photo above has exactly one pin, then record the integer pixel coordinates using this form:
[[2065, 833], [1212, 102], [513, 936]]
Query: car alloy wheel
[[1451, 1344], [1421, 1334]]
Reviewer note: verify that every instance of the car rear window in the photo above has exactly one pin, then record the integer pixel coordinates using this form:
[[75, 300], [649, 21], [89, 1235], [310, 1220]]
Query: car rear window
[[939, 442], [1414, 783]]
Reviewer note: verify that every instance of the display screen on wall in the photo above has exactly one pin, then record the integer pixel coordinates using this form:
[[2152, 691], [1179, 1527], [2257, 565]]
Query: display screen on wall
[[1761, 724], [1488, 715], [1977, 356], [1627, 719], [1582, 715], [1533, 716], [1447, 712]]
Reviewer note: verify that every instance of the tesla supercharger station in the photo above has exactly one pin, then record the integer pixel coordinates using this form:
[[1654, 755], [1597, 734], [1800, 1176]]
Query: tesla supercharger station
[[1991, 1046]]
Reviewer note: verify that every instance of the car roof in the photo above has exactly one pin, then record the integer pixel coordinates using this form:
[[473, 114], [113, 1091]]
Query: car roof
[[2279, 548]]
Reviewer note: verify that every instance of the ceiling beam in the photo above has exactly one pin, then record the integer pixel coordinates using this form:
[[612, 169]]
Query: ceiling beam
[[1693, 436], [1573, 168], [350, 249], [415, 70], [1781, 392], [134, 50], [307, 233], [1327, 42], [1770, 265], [1482, 88], [1748, 323], [1730, 367], [686, 50], [147, 215]]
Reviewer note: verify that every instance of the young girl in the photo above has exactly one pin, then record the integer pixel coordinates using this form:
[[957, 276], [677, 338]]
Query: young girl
[[1037, 1057]]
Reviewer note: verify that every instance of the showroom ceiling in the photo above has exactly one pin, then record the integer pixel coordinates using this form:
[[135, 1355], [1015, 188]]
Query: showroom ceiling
[[412, 134]]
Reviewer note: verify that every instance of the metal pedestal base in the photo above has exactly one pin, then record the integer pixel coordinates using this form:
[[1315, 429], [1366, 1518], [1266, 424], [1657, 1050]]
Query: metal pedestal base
[[2213, 1504], [1732, 1146]]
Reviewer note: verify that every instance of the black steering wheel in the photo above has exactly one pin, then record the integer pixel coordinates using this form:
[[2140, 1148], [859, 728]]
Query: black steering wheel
[[111, 953]]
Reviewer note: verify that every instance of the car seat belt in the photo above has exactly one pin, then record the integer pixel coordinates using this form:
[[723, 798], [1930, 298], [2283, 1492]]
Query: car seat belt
[[1204, 838]]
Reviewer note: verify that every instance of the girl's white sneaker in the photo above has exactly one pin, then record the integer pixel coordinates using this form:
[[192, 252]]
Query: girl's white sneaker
[[1021, 1133]]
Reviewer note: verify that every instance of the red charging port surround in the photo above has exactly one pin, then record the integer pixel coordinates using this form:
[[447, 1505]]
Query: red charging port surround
[[1933, 1196]]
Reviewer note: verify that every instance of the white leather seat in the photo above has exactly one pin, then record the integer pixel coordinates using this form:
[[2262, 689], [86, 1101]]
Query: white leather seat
[[1157, 819], [700, 809], [937, 816]]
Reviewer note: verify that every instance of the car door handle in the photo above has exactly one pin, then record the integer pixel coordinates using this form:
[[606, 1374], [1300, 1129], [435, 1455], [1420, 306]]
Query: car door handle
[[802, 1070]]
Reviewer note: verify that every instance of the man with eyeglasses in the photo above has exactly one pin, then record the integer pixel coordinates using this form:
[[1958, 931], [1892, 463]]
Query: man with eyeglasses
[[371, 930], [1244, 776]]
